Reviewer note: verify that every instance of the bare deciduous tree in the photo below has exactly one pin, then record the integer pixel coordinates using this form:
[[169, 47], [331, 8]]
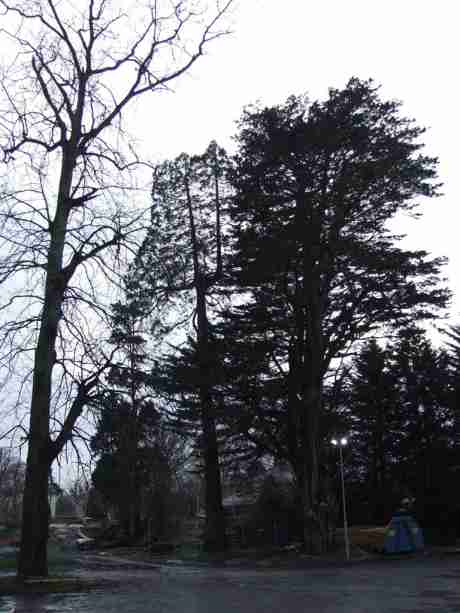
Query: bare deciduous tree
[[65, 221]]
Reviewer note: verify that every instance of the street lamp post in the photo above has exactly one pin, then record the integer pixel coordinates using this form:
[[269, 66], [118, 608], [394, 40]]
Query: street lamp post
[[340, 443]]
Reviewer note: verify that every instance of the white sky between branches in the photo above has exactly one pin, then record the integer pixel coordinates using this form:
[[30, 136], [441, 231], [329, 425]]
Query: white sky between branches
[[284, 47]]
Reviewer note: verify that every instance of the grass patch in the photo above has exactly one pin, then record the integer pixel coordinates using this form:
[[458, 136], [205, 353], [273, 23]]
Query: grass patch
[[53, 584], [59, 558], [7, 564], [188, 551], [195, 552]]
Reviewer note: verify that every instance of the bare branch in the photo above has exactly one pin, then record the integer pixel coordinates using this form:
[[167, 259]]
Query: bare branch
[[67, 233]]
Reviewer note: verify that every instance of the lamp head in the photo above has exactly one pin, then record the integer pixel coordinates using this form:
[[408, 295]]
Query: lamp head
[[341, 442]]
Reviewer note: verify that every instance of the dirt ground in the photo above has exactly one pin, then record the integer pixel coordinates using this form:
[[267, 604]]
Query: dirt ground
[[422, 584]]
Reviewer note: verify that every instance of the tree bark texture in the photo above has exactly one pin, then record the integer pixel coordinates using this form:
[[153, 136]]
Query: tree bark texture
[[33, 559], [41, 453]]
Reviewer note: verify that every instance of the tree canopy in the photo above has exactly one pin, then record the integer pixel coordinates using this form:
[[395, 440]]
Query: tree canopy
[[316, 184]]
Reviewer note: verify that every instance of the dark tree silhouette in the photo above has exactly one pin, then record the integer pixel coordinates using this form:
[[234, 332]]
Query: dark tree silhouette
[[181, 264], [63, 101], [316, 184], [376, 425]]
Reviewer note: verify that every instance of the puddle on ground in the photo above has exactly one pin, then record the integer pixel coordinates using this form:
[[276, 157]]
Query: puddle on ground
[[6, 605], [48, 603]]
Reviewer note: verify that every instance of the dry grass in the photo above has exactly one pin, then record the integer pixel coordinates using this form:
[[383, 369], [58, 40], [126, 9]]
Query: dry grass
[[368, 537]]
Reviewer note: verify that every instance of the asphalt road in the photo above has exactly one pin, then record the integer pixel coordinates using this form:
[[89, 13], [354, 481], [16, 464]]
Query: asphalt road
[[390, 586]]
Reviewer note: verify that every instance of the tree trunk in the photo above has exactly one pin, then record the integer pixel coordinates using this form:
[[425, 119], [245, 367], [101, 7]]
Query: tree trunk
[[33, 559], [313, 537], [215, 538], [35, 511], [309, 310], [133, 521]]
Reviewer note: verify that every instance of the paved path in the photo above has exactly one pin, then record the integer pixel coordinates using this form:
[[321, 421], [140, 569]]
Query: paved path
[[388, 586]]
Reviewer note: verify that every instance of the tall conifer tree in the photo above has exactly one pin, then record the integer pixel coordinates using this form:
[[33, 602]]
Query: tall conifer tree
[[316, 184], [180, 266]]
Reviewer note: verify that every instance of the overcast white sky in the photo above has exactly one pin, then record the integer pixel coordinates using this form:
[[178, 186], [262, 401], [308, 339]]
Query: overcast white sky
[[284, 47], [289, 47]]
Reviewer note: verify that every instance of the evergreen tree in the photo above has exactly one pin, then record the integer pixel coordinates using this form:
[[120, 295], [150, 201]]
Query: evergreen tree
[[316, 184], [127, 417], [179, 267], [375, 427], [429, 447], [453, 350], [403, 433]]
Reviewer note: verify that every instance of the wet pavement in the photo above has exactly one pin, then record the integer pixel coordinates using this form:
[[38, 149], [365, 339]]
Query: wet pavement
[[392, 586]]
